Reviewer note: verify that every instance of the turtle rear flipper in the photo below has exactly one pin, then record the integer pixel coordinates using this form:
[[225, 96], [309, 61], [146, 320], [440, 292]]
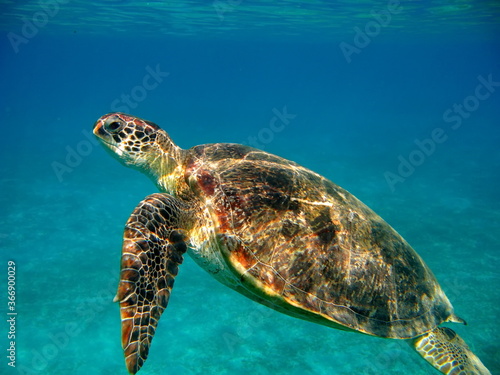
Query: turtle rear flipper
[[448, 353], [153, 246]]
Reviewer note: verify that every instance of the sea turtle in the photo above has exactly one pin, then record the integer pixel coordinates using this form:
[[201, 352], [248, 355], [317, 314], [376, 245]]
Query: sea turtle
[[277, 233]]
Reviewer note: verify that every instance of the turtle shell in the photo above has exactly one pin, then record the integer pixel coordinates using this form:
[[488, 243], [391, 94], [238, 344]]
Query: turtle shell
[[306, 247]]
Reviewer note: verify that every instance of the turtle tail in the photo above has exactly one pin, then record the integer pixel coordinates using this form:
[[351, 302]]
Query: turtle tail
[[444, 349]]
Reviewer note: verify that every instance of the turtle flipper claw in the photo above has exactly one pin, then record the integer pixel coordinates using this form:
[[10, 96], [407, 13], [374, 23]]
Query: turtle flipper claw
[[152, 250]]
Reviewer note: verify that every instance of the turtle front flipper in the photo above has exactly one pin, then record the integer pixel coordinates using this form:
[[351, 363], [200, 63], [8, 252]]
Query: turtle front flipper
[[153, 246], [448, 353]]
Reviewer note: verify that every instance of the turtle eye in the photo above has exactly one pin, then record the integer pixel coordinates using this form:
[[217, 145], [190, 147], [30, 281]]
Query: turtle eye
[[113, 127]]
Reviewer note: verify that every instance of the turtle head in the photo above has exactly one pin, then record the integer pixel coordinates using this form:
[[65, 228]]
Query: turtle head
[[138, 143]]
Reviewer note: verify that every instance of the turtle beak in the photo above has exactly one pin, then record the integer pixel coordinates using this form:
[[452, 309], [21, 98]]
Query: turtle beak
[[99, 126], [105, 138], [98, 129]]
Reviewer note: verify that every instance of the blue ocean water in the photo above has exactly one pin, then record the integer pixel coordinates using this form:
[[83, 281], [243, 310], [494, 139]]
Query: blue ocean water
[[399, 103]]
